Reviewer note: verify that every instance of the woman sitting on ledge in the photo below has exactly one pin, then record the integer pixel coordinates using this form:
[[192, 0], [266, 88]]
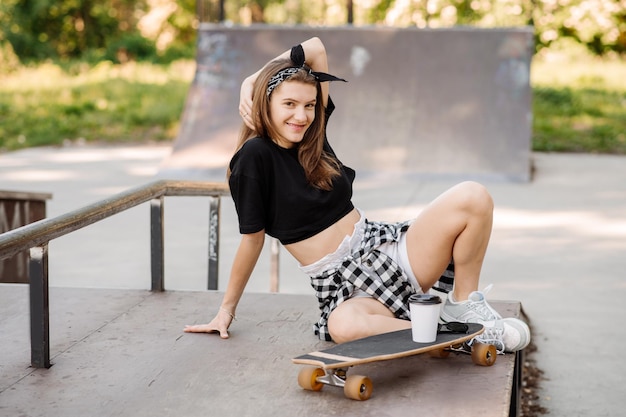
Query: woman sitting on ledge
[[287, 182]]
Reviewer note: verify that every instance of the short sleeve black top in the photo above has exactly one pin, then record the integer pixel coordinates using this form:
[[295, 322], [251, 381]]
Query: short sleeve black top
[[271, 193]]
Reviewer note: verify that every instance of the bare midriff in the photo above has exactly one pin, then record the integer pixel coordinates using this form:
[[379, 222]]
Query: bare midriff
[[327, 241]]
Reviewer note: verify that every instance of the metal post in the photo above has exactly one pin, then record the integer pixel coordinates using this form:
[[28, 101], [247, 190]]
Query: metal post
[[274, 262], [199, 11], [214, 242], [205, 11], [157, 248], [516, 389], [39, 308], [350, 7]]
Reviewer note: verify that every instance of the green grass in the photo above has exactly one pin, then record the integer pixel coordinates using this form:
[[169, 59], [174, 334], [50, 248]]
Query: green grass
[[111, 103], [579, 106]]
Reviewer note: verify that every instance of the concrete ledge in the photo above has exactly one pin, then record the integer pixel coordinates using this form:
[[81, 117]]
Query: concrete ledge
[[122, 352]]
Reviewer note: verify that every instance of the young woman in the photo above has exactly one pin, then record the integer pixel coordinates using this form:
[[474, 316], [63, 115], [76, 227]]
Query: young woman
[[287, 182]]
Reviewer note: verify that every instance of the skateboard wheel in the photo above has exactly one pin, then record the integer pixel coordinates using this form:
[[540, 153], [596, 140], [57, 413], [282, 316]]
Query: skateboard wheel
[[439, 353], [358, 387], [483, 354], [307, 378]]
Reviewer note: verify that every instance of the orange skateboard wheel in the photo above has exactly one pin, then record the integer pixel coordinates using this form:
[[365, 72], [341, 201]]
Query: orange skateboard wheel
[[307, 378], [358, 388], [483, 354]]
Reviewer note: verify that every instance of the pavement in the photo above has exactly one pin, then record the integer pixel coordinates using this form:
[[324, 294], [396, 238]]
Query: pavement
[[558, 246]]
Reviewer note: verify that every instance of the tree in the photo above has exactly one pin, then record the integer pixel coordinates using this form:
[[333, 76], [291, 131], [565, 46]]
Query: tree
[[39, 29]]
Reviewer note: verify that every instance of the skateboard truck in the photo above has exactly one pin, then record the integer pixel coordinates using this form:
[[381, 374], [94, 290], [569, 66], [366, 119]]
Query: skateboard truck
[[334, 377]]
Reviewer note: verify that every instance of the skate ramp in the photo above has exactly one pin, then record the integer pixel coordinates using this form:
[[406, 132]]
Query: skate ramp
[[445, 103]]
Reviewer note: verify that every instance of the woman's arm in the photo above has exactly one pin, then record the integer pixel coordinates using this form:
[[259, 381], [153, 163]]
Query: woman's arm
[[315, 57], [245, 260]]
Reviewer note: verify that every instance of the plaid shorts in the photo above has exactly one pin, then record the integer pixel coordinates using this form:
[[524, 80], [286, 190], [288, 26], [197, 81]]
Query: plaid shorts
[[370, 271]]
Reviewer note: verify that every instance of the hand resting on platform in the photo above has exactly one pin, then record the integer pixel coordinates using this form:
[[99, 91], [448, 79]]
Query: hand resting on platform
[[219, 324]]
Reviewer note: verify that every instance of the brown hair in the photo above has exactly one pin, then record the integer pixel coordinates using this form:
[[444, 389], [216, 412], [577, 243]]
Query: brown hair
[[320, 168]]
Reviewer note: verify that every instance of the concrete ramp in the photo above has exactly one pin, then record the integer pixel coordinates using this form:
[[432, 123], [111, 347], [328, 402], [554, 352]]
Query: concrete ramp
[[446, 103]]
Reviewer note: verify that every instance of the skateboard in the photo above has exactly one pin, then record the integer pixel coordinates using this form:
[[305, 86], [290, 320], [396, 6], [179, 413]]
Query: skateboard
[[330, 366]]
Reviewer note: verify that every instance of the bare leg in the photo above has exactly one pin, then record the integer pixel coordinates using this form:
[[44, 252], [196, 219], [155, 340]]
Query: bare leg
[[456, 224], [361, 317]]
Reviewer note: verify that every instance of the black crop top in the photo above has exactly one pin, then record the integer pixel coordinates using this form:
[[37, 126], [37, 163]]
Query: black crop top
[[270, 191]]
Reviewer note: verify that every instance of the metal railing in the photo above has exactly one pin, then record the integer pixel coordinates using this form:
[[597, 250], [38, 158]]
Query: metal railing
[[35, 237]]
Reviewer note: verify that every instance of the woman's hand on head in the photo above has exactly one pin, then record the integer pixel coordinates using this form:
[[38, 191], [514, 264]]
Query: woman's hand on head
[[219, 324], [245, 101]]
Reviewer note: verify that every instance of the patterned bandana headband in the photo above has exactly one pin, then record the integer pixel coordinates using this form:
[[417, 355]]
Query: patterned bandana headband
[[297, 57]]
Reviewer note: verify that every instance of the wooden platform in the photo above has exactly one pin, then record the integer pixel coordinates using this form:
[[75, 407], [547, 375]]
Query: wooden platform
[[123, 353]]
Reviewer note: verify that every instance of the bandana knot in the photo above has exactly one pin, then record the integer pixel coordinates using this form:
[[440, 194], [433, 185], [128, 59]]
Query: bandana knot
[[297, 57]]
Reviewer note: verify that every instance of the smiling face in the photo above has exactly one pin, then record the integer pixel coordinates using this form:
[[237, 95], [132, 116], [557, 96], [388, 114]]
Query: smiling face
[[292, 110]]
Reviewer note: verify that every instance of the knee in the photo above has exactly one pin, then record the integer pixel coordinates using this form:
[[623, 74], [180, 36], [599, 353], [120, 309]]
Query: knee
[[475, 198], [342, 325]]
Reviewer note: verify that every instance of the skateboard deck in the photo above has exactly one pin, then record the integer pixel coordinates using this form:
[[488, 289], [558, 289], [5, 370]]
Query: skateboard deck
[[329, 366]]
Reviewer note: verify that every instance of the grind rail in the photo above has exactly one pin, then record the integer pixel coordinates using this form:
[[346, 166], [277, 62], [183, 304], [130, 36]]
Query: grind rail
[[35, 238]]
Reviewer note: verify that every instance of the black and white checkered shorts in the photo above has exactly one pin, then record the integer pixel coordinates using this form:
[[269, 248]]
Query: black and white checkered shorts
[[372, 272]]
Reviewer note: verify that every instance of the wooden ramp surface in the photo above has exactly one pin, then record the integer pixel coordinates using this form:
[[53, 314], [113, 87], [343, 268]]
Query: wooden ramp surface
[[123, 353]]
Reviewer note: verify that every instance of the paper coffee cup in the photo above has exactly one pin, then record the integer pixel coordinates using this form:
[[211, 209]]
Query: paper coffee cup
[[424, 317]]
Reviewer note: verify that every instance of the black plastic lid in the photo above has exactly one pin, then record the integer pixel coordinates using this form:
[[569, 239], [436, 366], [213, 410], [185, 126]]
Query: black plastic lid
[[424, 299]]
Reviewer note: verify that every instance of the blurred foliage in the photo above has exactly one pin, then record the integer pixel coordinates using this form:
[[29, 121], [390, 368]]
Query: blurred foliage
[[579, 104], [579, 120], [84, 51], [162, 30], [49, 105], [95, 30]]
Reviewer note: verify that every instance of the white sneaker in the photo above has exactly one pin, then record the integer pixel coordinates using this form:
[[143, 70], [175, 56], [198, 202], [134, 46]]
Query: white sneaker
[[474, 310], [507, 335]]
